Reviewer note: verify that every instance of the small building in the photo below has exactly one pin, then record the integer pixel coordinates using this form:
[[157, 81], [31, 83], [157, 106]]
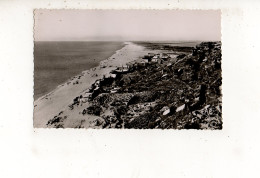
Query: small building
[[125, 67], [145, 60], [155, 60], [113, 75], [114, 90], [121, 70], [149, 56], [165, 56]]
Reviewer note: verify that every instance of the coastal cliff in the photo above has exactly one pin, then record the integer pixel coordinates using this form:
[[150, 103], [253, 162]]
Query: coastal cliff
[[169, 88]]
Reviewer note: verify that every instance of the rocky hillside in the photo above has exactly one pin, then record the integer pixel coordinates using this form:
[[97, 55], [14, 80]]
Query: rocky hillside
[[179, 93], [175, 88]]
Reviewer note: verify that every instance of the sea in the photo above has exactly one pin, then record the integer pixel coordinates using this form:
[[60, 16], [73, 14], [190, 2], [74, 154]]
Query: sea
[[55, 62]]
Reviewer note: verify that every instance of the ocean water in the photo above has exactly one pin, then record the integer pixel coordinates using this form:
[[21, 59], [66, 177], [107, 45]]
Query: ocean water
[[56, 62]]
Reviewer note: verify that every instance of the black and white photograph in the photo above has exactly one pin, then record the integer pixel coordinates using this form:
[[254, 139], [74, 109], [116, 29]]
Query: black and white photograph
[[129, 89], [127, 69]]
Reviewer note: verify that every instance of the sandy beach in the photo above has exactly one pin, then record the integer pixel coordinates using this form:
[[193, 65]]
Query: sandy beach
[[57, 101]]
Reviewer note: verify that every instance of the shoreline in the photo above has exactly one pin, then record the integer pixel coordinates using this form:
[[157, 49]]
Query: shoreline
[[71, 78], [49, 105]]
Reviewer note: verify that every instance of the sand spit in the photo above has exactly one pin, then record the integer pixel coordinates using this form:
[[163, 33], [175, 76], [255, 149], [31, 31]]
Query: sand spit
[[57, 101]]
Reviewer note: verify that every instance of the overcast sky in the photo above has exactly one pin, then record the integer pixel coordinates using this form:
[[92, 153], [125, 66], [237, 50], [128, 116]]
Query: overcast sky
[[127, 25]]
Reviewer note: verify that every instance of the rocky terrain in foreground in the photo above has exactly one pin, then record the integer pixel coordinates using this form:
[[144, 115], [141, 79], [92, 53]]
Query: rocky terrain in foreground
[[178, 88]]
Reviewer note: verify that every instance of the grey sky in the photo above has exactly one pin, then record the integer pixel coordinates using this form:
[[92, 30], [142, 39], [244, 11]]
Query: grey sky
[[127, 25]]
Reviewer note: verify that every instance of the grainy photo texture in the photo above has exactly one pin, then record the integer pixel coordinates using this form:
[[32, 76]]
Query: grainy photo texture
[[127, 69]]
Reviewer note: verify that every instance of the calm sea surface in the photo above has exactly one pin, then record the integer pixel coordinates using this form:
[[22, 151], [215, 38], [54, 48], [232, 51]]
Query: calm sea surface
[[56, 62]]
